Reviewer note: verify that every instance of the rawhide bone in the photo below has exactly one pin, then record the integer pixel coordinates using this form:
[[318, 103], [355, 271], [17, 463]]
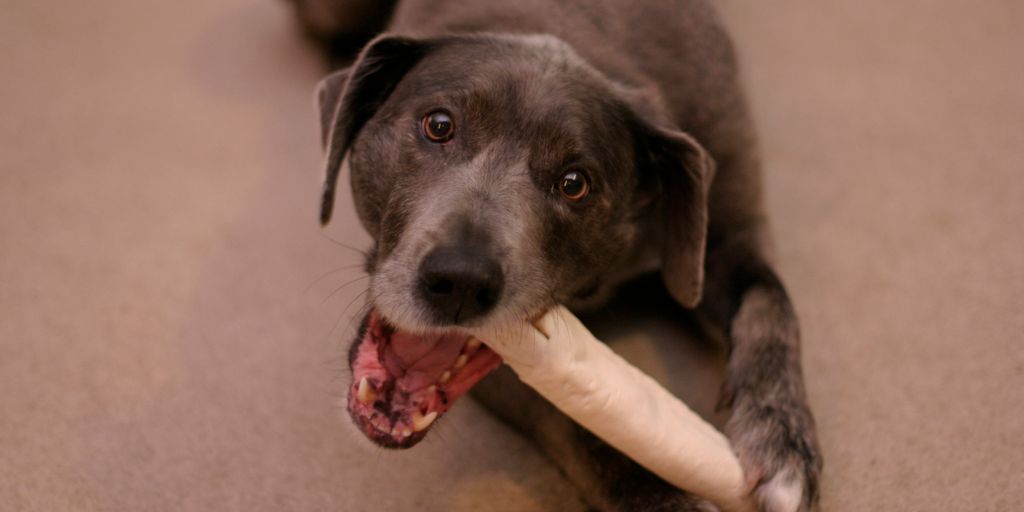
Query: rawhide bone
[[559, 358]]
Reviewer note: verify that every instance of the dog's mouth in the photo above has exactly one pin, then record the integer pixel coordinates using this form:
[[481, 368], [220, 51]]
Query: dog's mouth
[[403, 382]]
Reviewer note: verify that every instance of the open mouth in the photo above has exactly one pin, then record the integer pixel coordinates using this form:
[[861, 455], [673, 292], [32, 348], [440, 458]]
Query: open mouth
[[402, 382]]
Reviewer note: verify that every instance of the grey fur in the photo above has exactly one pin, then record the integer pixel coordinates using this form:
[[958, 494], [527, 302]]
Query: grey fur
[[642, 96]]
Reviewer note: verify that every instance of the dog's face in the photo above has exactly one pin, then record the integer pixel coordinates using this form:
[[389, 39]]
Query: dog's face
[[493, 189], [497, 176]]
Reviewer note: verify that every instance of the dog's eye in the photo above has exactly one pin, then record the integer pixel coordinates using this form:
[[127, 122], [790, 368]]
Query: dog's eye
[[574, 186], [438, 127]]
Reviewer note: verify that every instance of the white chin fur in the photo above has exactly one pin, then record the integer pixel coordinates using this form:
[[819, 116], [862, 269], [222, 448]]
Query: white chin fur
[[782, 493]]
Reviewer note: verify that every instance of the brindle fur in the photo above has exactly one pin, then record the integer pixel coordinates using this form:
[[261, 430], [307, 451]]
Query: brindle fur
[[644, 96]]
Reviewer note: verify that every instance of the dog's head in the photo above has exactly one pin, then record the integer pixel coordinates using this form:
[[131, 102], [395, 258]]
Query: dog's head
[[498, 176]]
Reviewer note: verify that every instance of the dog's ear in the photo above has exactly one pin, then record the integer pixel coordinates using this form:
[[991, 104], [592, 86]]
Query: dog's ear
[[684, 171], [349, 98], [327, 93]]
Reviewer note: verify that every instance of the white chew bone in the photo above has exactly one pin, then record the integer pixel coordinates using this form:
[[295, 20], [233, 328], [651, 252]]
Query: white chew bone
[[561, 360]]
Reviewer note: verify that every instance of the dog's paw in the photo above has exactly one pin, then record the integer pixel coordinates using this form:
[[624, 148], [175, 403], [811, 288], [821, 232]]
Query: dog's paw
[[783, 492], [779, 454]]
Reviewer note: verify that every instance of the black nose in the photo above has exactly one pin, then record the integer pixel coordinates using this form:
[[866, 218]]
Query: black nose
[[459, 284]]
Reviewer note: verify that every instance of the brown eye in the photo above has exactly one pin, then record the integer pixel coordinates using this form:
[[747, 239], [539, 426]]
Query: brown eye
[[574, 186], [438, 127]]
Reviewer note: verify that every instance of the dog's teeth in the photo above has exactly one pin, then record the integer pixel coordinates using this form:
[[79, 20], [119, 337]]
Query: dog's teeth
[[461, 361], [432, 389], [445, 376], [406, 432], [421, 422], [472, 345], [365, 394], [394, 432]]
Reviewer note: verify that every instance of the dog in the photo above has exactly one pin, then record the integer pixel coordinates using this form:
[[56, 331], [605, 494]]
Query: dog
[[509, 156]]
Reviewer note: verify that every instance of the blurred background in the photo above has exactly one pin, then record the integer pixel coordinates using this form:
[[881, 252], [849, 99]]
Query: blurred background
[[173, 321]]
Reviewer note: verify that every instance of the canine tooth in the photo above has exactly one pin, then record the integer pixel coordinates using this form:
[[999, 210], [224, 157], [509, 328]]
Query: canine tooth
[[365, 394], [421, 422], [472, 345], [394, 431], [406, 432], [461, 361], [432, 389], [445, 376]]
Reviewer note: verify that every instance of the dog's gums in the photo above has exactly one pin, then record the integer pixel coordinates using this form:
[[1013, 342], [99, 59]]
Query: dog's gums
[[402, 382]]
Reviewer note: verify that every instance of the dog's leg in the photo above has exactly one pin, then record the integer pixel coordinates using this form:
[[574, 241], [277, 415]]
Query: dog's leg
[[771, 425], [607, 480]]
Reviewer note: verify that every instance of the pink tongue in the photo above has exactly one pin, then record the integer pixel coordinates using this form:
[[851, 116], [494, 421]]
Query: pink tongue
[[417, 361]]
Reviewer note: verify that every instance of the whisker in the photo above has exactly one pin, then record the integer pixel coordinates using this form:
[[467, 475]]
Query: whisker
[[440, 434], [342, 244], [343, 287], [357, 316], [342, 315], [329, 272], [353, 301]]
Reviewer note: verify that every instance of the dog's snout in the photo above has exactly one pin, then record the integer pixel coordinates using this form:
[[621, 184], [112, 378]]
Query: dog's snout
[[459, 284]]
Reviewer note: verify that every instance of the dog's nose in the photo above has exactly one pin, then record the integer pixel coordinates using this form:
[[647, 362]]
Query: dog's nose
[[459, 284]]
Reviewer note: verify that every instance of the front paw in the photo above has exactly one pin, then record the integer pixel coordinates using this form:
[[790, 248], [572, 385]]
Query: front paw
[[778, 449]]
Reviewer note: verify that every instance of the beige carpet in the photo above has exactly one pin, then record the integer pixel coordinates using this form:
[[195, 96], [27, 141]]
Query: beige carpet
[[167, 341]]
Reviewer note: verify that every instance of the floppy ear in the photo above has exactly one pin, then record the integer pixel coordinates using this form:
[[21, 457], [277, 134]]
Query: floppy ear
[[685, 171], [328, 91], [349, 98]]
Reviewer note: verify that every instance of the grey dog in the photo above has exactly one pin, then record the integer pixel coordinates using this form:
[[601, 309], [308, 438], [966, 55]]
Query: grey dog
[[509, 156]]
